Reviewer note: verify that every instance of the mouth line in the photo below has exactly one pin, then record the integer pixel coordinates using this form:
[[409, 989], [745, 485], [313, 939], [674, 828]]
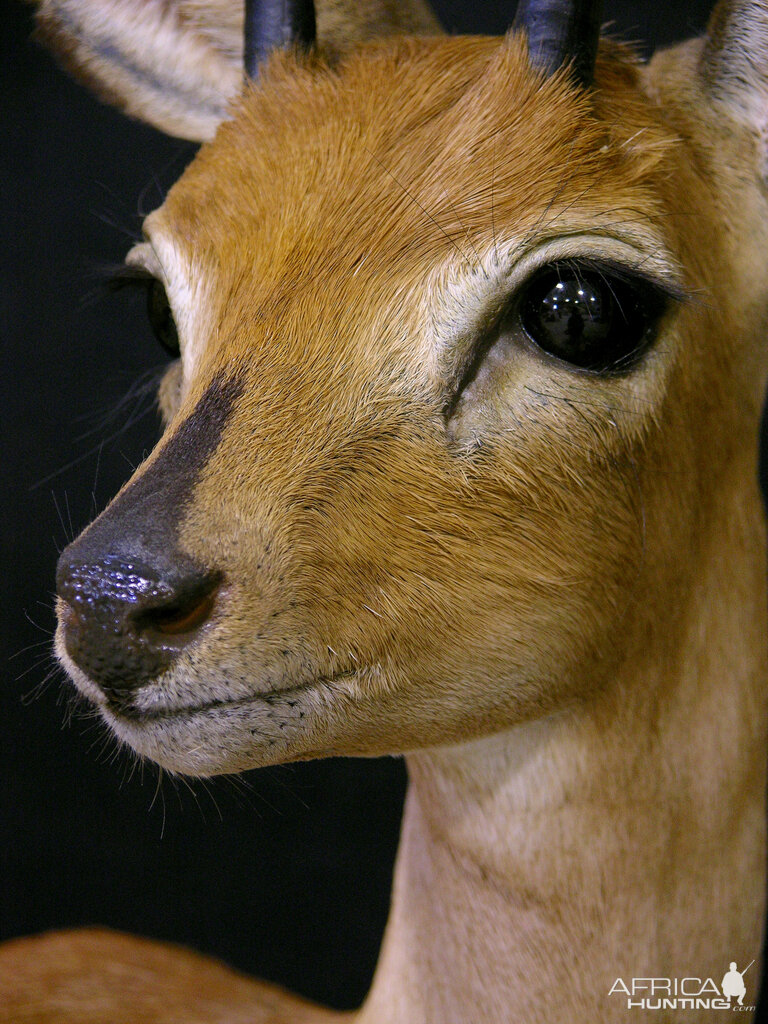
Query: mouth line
[[268, 697]]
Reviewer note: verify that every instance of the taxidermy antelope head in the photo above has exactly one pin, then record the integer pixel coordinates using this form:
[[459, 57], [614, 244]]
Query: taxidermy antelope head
[[459, 462]]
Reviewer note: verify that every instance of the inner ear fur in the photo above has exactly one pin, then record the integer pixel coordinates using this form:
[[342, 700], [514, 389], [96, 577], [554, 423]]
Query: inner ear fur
[[734, 60], [173, 65], [176, 64]]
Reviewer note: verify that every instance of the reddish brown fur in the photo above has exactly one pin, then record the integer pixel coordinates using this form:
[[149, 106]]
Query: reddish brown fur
[[96, 976], [566, 569]]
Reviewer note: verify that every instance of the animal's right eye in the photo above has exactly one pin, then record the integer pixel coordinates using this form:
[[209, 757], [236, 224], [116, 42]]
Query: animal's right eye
[[161, 318]]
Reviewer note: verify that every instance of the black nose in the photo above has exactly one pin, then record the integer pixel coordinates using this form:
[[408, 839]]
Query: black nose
[[125, 620], [132, 600]]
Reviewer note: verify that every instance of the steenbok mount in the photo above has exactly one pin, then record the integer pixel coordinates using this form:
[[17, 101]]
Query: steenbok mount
[[459, 462]]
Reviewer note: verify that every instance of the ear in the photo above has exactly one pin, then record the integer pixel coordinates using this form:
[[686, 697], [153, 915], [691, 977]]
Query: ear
[[177, 63], [734, 64], [173, 64]]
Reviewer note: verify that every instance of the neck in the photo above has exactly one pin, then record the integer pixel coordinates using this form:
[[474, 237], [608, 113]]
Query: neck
[[623, 838]]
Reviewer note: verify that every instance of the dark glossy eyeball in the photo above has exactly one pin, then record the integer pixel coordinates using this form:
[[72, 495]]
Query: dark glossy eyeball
[[161, 318], [589, 317]]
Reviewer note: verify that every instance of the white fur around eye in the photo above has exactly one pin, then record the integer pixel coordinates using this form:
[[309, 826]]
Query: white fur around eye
[[169, 392]]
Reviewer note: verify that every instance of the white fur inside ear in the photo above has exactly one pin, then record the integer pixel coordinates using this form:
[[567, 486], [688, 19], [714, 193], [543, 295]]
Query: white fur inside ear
[[177, 63], [734, 61], [155, 60]]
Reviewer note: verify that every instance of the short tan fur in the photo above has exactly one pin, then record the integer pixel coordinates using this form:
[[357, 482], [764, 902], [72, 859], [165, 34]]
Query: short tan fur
[[545, 586]]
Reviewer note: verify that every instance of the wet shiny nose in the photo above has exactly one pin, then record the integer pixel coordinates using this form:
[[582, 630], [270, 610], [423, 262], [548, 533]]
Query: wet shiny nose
[[124, 621]]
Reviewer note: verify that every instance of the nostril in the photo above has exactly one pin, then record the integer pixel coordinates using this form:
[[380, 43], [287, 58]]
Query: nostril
[[68, 615], [186, 613], [123, 622]]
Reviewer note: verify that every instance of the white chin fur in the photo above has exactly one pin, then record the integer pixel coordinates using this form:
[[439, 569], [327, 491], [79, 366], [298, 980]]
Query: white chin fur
[[225, 738], [239, 730]]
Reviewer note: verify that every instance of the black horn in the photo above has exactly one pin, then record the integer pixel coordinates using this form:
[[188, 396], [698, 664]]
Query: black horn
[[562, 31], [273, 24]]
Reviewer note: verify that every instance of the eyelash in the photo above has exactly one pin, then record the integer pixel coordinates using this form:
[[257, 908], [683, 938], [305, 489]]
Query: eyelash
[[158, 308]]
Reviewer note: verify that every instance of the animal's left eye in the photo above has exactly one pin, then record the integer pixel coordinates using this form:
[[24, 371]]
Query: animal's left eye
[[158, 308], [161, 317], [588, 317]]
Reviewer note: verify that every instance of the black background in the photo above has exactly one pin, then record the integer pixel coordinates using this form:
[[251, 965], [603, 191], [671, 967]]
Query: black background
[[285, 873]]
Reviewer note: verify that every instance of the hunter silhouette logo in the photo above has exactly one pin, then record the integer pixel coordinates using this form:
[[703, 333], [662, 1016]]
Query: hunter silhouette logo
[[689, 993], [733, 983]]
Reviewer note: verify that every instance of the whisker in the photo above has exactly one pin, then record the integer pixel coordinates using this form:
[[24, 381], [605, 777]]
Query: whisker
[[465, 230], [29, 647], [30, 696], [426, 212], [86, 455], [67, 537]]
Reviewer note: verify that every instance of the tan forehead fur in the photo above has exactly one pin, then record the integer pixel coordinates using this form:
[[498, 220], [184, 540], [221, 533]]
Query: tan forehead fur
[[400, 146], [333, 194]]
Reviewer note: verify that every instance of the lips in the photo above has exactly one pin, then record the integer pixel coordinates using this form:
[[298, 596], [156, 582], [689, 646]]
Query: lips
[[288, 696]]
